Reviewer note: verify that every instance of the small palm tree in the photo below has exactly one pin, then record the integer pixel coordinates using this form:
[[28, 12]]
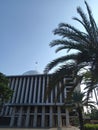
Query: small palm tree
[[85, 56], [78, 101]]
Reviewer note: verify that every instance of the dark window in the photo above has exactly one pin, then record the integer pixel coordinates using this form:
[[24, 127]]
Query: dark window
[[47, 109], [55, 109], [38, 121], [32, 110], [47, 121], [62, 110], [39, 109], [25, 110]]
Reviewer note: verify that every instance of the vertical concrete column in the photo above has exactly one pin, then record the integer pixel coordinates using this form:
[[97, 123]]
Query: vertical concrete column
[[35, 117], [60, 93], [20, 117], [27, 117], [43, 117], [51, 117], [12, 117], [39, 88], [67, 118], [14, 94], [59, 118], [31, 87], [47, 101], [19, 91], [10, 110], [26, 90], [6, 111], [35, 89], [22, 92], [43, 89], [2, 111]]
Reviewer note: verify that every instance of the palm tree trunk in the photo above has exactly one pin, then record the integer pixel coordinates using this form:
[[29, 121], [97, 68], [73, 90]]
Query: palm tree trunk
[[80, 118]]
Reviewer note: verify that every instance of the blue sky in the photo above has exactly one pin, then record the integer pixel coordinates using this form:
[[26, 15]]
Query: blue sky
[[26, 30]]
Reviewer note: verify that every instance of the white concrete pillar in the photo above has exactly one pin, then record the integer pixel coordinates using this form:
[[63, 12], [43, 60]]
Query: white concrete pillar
[[27, 117], [60, 93], [2, 111], [10, 110], [51, 117], [51, 97], [19, 92], [56, 91], [14, 94], [26, 90], [34, 96], [67, 118], [23, 89], [20, 118], [35, 117], [12, 117], [47, 101], [6, 111], [30, 94], [43, 88], [39, 88], [12, 87], [43, 117], [59, 117]]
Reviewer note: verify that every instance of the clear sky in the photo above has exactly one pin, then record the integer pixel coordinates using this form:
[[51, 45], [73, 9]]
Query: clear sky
[[26, 30]]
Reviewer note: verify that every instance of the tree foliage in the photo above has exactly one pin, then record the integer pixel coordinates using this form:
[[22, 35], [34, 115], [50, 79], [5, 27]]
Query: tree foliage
[[83, 61], [5, 91], [78, 101], [94, 114]]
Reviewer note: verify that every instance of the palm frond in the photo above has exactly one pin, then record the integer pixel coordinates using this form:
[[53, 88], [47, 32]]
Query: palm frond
[[93, 25], [68, 45], [78, 20], [81, 35], [70, 35], [73, 46], [57, 61], [58, 42], [58, 75], [85, 21]]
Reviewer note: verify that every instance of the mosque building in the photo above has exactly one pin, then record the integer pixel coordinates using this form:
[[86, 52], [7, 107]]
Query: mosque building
[[27, 108]]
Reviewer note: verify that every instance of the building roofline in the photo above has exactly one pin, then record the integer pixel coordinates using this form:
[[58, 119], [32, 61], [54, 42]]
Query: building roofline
[[9, 76], [28, 75]]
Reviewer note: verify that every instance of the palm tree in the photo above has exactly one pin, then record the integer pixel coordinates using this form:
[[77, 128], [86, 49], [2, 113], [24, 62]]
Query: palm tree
[[78, 101], [84, 56]]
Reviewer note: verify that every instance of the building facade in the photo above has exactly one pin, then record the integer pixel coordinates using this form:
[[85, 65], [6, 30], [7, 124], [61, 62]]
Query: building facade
[[27, 107]]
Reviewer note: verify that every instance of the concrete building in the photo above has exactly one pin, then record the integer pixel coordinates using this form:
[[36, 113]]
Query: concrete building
[[27, 107]]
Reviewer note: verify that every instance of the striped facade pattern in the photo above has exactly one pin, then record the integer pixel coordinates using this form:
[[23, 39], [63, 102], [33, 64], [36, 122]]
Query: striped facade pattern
[[27, 107]]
